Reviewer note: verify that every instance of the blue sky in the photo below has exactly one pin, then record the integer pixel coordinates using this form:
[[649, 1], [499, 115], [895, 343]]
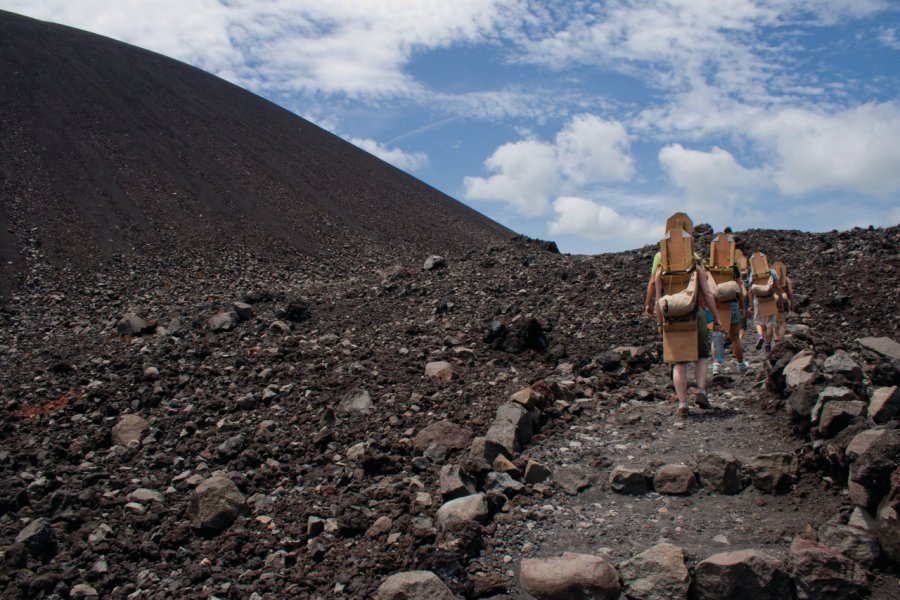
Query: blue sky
[[587, 123]]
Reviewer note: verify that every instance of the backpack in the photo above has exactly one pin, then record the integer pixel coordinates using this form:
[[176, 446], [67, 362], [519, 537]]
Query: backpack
[[721, 269], [679, 275], [763, 285]]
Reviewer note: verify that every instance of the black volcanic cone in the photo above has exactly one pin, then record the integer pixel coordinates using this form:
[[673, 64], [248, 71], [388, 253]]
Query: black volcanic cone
[[111, 149]]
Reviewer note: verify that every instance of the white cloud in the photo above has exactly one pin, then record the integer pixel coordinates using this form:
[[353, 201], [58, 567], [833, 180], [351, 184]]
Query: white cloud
[[708, 179], [526, 176], [588, 150], [395, 156], [582, 217], [854, 150]]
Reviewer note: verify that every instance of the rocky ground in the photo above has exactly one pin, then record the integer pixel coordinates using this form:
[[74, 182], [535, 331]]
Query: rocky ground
[[307, 410]]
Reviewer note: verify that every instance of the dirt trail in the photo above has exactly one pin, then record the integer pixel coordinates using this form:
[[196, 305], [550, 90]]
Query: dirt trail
[[623, 430]]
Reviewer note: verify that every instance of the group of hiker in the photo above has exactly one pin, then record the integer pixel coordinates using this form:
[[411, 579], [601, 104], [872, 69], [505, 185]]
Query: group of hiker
[[697, 301]]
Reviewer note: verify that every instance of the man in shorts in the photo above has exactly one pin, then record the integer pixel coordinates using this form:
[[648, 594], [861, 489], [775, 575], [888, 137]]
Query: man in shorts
[[765, 326], [706, 301]]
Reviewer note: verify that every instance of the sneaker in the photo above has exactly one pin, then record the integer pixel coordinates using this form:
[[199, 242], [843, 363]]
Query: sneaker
[[759, 343], [702, 399], [681, 411], [768, 347], [716, 368], [742, 366]]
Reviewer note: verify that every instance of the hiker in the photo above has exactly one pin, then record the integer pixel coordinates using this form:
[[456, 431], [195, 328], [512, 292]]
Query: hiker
[[685, 336], [787, 300], [764, 283], [726, 272], [651, 287]]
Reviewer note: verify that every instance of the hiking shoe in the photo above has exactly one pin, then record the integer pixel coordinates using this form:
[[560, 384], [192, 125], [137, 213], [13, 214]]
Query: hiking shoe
[[702, 400], [768, 347], [681, 411], [716, 368], [742, 366], [759, 343]]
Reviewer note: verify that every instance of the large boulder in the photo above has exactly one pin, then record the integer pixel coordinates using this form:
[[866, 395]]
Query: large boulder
[[569, 577], [413, 585], [823, 573], [742, 574], [215, 504], [658, 573]]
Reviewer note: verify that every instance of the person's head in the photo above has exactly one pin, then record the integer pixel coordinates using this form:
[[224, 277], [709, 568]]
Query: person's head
[[727, 230]]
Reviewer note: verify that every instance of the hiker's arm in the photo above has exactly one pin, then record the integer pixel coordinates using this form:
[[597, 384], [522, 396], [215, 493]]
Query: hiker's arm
[[648, 303], [708, 297], [657, 285]]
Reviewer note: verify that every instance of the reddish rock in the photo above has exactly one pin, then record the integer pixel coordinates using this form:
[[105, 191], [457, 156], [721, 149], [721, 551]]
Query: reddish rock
[[569, 577]]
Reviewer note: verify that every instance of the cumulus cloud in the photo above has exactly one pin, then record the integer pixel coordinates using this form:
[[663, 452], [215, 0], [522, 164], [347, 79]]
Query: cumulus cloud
[[853, 150], [708, 179], [527, 174], [585, 218], [395, 156]]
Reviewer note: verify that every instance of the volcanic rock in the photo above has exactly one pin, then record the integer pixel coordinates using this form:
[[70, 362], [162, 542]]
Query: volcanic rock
[[445, 434], [742, 574], [884, 405], [468, 508], [39, 538], [674, 479], [773, 473], [721, 472], [569, 577], [128, 431], [823, 573], [414, 585], [215, 504], [658, 573], [624, 480]]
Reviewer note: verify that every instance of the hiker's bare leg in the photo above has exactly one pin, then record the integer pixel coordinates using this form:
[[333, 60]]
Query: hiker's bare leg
[[736, 348], [700, 373], [679, 378]]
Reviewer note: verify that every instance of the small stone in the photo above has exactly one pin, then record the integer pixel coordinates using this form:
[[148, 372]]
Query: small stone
[[440, 370], [535, 472], [625, 480], [128, 431], [414, 585]]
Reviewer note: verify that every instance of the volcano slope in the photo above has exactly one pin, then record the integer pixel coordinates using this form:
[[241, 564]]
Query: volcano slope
[[339, 495]]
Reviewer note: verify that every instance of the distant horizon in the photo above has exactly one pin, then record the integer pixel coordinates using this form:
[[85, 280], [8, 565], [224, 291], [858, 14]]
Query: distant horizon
[[583, 127]]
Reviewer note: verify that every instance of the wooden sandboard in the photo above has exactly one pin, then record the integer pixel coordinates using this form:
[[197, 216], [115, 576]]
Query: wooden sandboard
[[680, 342], [680, 220], [766, 307]]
